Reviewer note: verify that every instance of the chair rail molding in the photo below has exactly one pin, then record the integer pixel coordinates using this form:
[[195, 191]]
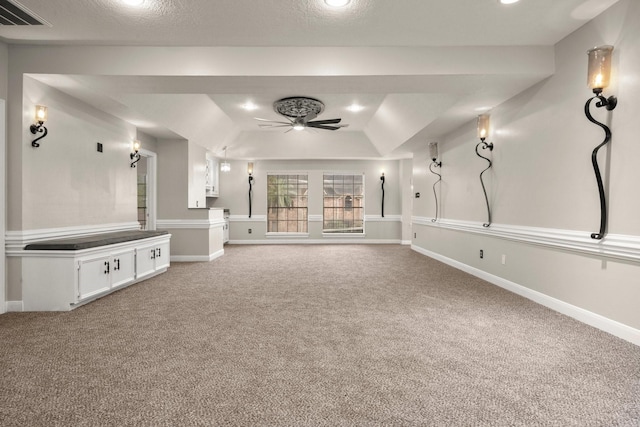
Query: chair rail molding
[[15, 241], [617, 246], [190, 223]]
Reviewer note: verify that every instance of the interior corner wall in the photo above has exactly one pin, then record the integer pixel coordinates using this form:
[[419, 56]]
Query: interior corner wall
[[4, 70], [147, 141], [542, 179]]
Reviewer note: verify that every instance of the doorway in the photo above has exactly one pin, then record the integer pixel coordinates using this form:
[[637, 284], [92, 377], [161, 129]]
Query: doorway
[[147, 189]]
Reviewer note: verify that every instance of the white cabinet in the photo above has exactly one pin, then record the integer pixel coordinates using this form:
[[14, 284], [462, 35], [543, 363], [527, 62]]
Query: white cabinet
[[60, 280], [98, 274], [151, 258], [212, 176], [203, 175]]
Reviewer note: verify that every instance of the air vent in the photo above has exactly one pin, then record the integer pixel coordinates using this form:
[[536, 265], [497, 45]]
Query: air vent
[[13, 13]]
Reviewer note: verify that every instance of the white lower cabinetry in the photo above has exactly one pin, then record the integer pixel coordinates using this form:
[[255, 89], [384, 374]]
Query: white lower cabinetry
[[60, 280], [151, 258], [98, 274]]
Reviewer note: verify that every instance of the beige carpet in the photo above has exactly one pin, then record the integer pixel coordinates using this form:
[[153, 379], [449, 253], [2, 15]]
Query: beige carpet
[[306, 335]]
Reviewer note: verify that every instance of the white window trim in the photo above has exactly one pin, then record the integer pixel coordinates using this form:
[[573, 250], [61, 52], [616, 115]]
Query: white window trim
[[294, 234]]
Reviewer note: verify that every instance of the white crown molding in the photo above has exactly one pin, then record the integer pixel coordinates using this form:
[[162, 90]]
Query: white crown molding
[[618, 246], [190, 223], [17, 240], [605, 324]]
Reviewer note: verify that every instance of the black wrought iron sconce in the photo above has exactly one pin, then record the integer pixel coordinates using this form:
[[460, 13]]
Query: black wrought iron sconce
[[38, 126], [382, 187], [135, 156], [433, 153], [250, 171], [599, 72], [483, 133]]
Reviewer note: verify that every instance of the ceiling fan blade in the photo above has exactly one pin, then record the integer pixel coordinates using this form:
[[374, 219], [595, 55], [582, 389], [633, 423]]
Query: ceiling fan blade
[[272, 121], [317, 126], [309, 117], [326, 122], [274, 125]]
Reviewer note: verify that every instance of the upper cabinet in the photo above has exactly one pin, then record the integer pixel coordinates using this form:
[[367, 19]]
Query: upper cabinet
[[212, 176], [197, 172]]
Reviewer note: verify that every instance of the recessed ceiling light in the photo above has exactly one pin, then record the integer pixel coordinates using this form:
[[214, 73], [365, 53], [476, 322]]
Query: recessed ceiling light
[[355, 107], [337, 3], [133, 2], [508, 1], [249, 106]]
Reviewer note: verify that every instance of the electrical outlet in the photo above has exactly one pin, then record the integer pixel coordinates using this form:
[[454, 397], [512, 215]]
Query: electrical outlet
[[99, 147], [249, 231], [504, 259], [481, 254]]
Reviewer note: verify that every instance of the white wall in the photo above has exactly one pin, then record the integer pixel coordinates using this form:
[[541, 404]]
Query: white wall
[[542, 182], [234, 189], [66, 181], [4, 72]]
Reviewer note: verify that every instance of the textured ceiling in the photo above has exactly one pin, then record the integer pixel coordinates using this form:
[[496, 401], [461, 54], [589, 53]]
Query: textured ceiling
[[375, 53]]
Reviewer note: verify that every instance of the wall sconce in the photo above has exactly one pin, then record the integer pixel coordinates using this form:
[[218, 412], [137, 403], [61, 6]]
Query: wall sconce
[[433, 153], [41, 117], [225, 166], [135, 156], [598, 75], [250, 172], [483, 133], [382, 187]]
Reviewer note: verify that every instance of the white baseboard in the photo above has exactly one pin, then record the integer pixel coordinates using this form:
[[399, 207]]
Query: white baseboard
[[15, 306], [197, 258], [326, 241], [605, 324]]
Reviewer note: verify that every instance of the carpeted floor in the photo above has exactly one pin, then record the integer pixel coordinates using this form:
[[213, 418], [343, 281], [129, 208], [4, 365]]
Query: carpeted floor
[[314, 335]]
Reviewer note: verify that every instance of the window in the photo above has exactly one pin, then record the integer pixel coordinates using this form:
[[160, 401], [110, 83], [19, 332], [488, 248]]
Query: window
[[287, 210], [343, 206]]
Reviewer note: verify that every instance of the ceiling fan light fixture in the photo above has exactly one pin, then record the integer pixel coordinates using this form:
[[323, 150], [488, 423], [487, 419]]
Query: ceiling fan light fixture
[[298, 126], [508, 1], [337, 3]]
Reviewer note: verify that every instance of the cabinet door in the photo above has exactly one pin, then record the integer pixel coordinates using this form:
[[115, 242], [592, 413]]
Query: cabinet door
[[162, 256], [213, 177], [145, 260], [122, 268], [93, 276]]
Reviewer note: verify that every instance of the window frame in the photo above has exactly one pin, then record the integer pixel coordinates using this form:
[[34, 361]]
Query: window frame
[[343, 234], [306, 218]]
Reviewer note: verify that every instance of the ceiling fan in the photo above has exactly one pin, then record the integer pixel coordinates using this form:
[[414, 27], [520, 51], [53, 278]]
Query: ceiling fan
[[299, 111]]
